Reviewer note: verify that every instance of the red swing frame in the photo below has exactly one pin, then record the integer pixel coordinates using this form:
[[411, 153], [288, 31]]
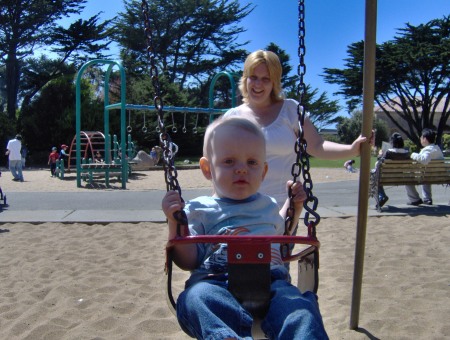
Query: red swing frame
[[249, 260]]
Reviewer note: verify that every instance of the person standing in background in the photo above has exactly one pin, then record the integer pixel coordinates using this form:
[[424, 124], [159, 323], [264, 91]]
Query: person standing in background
[[15, 158]]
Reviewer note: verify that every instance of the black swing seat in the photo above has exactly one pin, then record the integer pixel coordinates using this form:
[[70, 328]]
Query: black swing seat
[[249, 260]]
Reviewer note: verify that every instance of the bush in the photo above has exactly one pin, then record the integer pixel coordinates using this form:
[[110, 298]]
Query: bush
[[411, 146], [446, 141], [332, 138]]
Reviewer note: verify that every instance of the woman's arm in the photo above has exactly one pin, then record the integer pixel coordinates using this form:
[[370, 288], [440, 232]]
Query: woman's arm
[[320, 148]]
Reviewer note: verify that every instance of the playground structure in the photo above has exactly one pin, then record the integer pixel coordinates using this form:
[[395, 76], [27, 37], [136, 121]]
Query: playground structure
[[93, 143], [87, 143], [109, 166]]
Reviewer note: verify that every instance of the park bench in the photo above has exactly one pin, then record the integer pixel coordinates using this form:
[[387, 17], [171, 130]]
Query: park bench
[[389, 172]]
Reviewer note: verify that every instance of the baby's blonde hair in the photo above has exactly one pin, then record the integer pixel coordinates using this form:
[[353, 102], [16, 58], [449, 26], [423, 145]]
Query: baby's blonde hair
[[275, 72], [245, 123]]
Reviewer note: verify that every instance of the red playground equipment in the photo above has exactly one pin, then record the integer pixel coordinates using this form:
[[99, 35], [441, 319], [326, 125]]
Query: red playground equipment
[[91, 142]]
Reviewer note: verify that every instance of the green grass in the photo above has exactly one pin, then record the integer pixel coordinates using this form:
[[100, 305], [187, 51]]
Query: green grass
[[314, 162], [322, 163], [180, 160]]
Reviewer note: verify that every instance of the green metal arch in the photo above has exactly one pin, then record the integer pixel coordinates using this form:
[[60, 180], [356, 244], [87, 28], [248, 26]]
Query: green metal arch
[[230, 77], [107, 108]]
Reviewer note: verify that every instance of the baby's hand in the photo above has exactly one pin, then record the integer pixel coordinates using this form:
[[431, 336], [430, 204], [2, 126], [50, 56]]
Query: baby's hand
[[171, 203], [298, 193]]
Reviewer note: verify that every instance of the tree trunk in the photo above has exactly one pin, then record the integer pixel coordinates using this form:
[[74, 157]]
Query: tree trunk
[[12, 85]]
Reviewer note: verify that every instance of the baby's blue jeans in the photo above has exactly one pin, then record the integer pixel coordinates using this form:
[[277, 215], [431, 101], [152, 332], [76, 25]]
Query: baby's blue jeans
[[207, 310]]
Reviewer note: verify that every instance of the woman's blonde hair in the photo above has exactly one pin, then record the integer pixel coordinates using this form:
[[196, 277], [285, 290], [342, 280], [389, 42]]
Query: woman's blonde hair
[[275, 72]]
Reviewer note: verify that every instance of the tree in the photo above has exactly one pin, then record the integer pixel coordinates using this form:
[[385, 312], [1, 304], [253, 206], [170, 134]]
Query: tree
[[412, 77], [349, 129], [24, 24], [193, 40], [74, 46], [28, 25], [322, 110], [55, 123], [2, 89], [288, 81]]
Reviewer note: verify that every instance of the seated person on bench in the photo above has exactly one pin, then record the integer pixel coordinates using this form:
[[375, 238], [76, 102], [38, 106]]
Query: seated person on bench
[[397, 152], [429, 152], [234, 159]]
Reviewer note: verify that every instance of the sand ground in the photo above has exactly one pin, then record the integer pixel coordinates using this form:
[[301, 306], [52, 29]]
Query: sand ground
[[106, 281]]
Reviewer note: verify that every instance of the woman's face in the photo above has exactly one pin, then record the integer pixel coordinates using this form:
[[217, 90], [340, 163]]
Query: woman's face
[[259, 86]]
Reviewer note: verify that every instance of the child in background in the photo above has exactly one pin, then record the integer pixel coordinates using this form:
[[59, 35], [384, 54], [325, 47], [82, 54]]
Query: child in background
[[52, 158], [153, 154], [349, 165], [234, 159], [63, 153], [98, 157]]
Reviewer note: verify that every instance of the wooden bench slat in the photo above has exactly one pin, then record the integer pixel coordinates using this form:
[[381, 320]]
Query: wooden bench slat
[[414, 182], [441, 173]]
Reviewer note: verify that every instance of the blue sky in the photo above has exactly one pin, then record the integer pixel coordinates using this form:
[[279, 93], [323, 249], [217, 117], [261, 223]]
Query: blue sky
[[331, 25]]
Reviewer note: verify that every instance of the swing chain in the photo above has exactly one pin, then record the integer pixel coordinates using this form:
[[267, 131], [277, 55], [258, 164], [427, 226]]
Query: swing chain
[[170, 171], [301, 165]]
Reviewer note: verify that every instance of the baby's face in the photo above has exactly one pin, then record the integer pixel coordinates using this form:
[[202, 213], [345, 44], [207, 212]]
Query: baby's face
[[238, 163]]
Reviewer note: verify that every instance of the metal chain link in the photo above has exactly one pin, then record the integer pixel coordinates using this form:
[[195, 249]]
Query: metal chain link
[[301, 165], [170, 171]]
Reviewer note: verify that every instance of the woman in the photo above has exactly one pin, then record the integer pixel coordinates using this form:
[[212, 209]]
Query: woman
[[397, 152], [263, 98]]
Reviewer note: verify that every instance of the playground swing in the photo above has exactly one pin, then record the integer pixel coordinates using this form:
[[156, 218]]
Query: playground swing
[[174, 126], [157, 129], [183, 129], [129, 127], [195, 129], [249, 256], [144, 127]]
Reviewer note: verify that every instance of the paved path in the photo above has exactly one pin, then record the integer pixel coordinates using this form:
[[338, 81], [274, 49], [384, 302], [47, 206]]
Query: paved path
[[337, 199]]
